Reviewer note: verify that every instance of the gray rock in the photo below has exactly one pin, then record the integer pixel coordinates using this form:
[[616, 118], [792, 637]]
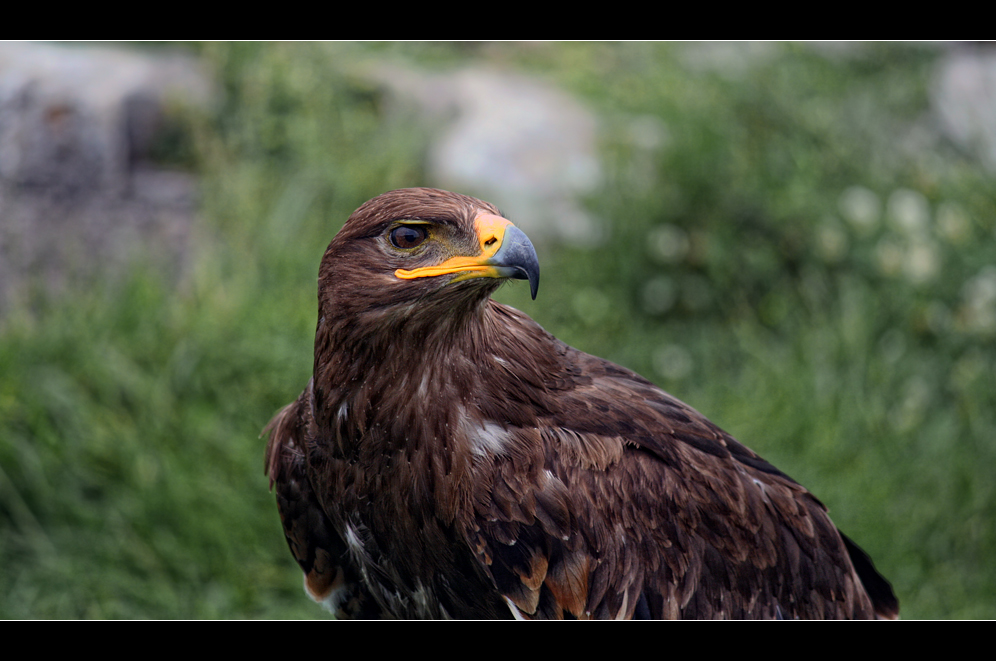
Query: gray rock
[[964, 99], [516, 140], [78, 194]]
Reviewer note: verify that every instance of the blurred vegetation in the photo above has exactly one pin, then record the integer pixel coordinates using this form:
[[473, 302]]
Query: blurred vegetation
[[790, 249]]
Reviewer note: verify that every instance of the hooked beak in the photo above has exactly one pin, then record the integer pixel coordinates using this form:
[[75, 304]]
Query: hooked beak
[[506, 252]]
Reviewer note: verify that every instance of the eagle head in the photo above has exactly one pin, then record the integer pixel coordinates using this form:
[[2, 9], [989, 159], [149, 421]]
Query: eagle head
[[424, 250]]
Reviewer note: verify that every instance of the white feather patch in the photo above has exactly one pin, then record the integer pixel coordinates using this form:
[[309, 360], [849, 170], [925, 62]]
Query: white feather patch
[[516, 613], [490, 439]]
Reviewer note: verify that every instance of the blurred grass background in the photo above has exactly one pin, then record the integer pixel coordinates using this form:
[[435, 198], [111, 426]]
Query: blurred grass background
[[792, 263]]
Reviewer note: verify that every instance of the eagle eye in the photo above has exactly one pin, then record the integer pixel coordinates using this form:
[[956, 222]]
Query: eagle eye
[[408, 236]]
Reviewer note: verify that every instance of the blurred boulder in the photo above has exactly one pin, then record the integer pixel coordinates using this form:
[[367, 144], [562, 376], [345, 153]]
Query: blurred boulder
[[509, 138], [964, 99], [79, 190]]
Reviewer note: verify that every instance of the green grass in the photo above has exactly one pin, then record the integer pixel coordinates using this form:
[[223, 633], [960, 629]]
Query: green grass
[[131, 481]]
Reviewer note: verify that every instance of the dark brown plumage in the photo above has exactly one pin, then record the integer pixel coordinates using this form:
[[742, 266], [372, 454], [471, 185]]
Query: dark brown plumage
[[450, 458]]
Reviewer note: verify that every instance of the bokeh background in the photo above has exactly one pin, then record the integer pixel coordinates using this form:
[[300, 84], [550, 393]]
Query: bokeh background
[[796, 239]]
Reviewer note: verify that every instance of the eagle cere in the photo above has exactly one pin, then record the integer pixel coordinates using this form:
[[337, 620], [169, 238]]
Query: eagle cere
[[451, 459]]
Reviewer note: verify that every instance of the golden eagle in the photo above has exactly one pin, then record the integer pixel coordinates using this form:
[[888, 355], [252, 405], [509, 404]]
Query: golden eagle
[[451, 459]]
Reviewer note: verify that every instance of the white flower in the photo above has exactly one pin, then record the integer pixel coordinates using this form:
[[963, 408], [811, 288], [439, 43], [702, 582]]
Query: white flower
[[860, 207], [922, 262], [668, 244], [658, 295], [909, 211], [672, 361], [832, 240], [953, 222]]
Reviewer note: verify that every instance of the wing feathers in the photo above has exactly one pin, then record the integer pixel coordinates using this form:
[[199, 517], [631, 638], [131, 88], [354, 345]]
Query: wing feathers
[[310, 535], [668, 516]]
